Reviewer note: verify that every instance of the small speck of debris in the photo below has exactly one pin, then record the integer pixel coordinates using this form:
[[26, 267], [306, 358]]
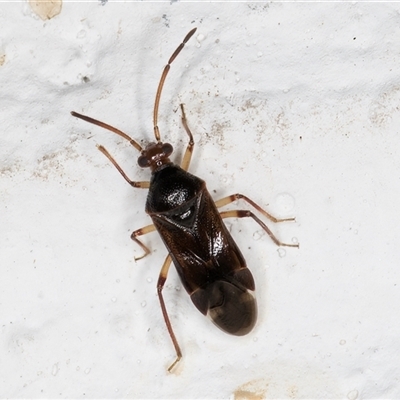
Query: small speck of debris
[[166, 20]]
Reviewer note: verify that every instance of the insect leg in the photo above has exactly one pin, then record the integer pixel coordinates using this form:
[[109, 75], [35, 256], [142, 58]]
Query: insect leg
[[160, 285], [140, 184], [140, 232], [247, 213], [233, 197], [136, 145], [189, 149]]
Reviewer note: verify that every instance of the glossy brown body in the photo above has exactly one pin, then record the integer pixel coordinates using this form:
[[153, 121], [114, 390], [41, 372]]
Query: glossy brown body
[[211, 267], [209, 263]]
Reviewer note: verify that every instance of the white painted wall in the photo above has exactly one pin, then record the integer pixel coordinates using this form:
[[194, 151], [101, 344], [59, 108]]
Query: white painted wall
[[294, 105]]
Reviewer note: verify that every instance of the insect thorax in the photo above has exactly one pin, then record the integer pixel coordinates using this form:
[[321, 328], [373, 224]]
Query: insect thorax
[[171, 187]]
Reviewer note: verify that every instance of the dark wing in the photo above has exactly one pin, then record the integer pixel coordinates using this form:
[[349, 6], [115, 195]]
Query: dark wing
[[209, 263], [198, 241]]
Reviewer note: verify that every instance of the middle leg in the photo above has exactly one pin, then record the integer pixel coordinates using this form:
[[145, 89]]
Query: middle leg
[[140, 232], [233, 197], [246, 214]]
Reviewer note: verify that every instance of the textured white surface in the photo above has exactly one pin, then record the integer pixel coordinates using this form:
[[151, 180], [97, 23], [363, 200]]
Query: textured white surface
[[294, 105]]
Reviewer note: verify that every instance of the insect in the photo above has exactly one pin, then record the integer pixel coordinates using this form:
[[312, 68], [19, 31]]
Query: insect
[[209, 263]]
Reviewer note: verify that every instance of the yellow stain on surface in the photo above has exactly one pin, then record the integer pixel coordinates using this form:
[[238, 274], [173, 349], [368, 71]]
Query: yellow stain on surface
[[47, 9]]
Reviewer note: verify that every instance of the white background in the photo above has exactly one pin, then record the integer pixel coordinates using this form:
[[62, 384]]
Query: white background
[[294, 105]]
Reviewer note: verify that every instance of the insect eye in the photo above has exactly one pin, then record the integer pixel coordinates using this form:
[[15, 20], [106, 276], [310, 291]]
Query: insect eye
[[143, 162], [167, 149]]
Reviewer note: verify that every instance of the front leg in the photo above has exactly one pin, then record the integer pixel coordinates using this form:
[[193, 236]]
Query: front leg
[[189, 149], [141, 184]]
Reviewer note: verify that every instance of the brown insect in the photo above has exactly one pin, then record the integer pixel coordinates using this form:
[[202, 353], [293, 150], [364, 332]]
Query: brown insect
[[209, 263]]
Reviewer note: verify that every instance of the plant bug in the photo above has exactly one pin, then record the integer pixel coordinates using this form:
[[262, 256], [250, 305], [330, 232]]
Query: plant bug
[[209, 263]]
